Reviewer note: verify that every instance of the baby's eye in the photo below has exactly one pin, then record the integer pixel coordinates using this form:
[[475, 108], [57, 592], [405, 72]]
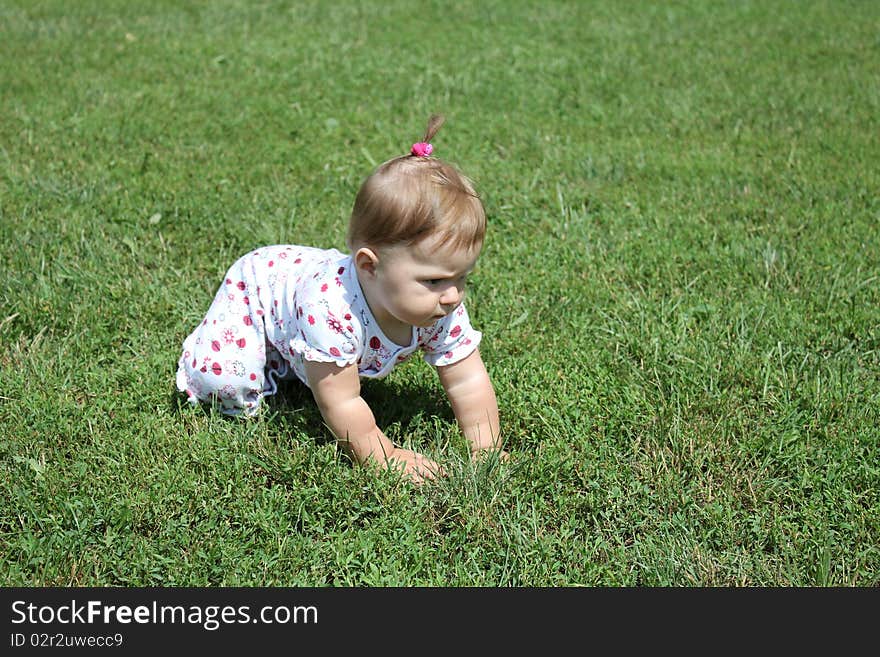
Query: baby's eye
[[440, 281]]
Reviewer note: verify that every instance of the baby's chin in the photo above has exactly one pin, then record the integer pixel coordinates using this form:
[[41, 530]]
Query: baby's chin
[[430, 321]]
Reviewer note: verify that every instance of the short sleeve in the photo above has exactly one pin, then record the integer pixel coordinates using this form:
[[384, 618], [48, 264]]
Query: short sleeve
[[450, 340], [325, 336]]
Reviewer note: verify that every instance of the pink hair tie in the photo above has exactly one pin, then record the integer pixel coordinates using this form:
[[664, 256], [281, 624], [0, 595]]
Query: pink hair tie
[[422, 149]]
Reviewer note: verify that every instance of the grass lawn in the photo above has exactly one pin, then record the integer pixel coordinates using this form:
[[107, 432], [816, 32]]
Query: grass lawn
[[679, 294]]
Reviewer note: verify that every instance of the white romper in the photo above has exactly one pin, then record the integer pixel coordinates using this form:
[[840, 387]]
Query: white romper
[[281, 305]]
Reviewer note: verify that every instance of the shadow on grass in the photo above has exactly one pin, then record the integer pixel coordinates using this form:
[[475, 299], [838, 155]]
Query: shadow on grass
[[408, 408], [293, 410]]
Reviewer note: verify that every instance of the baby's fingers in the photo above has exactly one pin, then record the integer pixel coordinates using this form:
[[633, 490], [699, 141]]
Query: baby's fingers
[[428, 469], [417, 467]]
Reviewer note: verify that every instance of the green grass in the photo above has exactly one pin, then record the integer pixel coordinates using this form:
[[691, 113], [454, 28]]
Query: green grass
[[680, 291]]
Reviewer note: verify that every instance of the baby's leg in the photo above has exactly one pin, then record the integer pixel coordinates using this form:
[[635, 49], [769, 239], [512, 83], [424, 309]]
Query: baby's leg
[[224, 358]]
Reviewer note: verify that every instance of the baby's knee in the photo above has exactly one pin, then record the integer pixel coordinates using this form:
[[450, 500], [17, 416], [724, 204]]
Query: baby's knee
[[227, 383]]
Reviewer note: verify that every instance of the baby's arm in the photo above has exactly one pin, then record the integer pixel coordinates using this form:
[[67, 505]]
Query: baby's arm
[[337, 391], [473, 401]]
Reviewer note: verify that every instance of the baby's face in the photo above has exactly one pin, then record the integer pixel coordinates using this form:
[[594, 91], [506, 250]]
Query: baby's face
[[422, 283]]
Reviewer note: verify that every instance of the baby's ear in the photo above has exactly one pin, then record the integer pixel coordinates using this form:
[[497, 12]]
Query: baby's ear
[[366, 261]]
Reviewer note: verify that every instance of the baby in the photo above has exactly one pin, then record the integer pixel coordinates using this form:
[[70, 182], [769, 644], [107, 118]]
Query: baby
[[329, 318]]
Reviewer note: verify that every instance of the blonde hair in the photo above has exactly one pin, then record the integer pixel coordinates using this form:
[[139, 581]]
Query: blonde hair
[[411, 197]]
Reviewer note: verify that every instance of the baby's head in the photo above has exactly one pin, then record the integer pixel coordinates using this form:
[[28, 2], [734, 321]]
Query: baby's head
[[414, 197]]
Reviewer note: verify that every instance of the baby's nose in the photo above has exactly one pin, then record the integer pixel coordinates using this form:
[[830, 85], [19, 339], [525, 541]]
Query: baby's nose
[[451, 296]]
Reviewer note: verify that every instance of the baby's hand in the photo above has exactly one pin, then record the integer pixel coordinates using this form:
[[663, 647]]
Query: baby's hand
[[418, 467]]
